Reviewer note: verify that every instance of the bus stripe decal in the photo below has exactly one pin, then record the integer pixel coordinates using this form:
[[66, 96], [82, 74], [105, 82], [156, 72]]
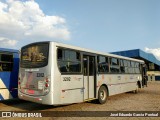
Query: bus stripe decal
[[122, 83], [5, 92]]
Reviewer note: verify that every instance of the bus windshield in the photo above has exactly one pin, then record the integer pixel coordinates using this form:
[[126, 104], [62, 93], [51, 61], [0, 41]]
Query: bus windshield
[[35, 55]]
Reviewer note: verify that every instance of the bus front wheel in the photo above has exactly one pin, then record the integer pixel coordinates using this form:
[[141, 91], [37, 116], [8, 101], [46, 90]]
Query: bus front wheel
[[102, 95]]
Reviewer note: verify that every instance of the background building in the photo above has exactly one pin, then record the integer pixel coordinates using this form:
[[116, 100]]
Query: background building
[[153, 65]]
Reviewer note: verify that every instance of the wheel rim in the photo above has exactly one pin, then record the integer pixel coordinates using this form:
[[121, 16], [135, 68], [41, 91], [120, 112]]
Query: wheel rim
[[103, 95]]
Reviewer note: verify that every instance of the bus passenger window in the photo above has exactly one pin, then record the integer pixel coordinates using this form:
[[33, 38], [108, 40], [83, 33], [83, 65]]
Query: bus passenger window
[[6, 62], [137, 67], [122, 66], [132, 67], [78, 57], [125, 66], [68, 55], [74, 67], [59, 54], [69, 61], [7, 58], [103, 66], [63, 66], [114, 65]]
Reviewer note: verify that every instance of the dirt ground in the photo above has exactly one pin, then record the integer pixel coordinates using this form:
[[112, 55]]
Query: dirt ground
[[147, 99]]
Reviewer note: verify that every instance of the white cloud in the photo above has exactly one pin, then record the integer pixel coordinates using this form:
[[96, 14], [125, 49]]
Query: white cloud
[[155, 52], [5, 42], [21, 20]]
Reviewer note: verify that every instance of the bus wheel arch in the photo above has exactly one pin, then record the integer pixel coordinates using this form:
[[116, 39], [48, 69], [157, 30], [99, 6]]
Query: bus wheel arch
[[139, 84], [103, 94]]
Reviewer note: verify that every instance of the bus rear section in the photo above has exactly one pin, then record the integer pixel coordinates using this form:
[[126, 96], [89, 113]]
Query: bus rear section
[[35, 75], [9, 67]]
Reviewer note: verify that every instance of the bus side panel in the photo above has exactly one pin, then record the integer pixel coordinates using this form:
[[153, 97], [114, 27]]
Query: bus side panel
[[111, 81], [131, 83], [5, 94], [5, 82], [66, 88], [56, 86], [9, 80], [72, 88], [118, 83]]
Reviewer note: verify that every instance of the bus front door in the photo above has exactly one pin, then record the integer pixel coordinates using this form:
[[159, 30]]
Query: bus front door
[[89, 77], [144, 75]]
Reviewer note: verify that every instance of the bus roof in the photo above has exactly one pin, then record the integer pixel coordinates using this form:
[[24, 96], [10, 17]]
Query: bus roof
[[87, 50], [9, 50]]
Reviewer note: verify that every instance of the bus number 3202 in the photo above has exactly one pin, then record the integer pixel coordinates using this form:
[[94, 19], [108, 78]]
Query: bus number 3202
[[67, 79]]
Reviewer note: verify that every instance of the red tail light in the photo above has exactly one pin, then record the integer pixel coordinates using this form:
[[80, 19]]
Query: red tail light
[[46, 85], [46, 82]]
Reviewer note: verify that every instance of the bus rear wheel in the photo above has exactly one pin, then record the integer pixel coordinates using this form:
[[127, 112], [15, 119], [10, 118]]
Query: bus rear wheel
[[102, 95]]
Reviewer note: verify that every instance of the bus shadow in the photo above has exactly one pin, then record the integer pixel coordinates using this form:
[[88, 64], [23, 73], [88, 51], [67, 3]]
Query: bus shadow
[[21, 105]]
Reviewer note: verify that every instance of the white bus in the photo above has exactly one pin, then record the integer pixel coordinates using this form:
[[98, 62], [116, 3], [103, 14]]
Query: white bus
[[54, 73]]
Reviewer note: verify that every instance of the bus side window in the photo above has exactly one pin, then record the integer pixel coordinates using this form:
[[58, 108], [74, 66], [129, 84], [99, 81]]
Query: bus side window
[[137, 67], [129, 67], [103, 66], [6, 57], [68, 61], [133, 66], [59, 55], [122, 66], [125, 66], [6, 62], [114, 65]]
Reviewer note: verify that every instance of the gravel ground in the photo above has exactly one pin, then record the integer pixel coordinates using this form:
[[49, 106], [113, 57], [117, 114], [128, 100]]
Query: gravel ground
[[147, 99]]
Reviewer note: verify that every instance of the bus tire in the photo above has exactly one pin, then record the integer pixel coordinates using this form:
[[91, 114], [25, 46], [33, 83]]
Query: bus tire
[[102, 95]]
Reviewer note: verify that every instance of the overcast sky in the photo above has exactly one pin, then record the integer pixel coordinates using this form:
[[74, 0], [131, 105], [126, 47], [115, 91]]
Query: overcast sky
[[102, 25]]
